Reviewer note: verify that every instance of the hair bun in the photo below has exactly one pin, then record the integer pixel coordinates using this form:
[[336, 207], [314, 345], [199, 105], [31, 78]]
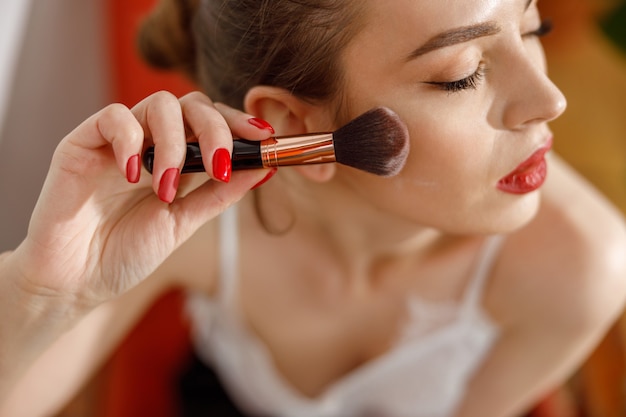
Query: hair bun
[[165, 38]]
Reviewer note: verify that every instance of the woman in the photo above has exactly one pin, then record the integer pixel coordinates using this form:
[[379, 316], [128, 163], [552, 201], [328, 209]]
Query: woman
[[464, 286]]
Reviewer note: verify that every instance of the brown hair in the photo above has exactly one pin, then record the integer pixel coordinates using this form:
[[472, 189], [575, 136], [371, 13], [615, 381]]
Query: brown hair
[[229, 46]]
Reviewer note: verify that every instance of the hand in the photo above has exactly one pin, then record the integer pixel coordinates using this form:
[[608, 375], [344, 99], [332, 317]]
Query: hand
[[98, 229]]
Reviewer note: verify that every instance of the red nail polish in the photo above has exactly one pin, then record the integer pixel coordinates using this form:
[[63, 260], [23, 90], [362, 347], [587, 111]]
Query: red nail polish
[[266, 178], [261, 124], [169, 185], [222, 165], [133, 168]]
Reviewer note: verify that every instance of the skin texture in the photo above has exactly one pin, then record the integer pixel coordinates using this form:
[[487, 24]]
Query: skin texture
[[328, 296], [463, 142]]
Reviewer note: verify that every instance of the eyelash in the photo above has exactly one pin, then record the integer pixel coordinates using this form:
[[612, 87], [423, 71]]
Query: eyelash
[[470, 82], [473, 80], [544, 28]]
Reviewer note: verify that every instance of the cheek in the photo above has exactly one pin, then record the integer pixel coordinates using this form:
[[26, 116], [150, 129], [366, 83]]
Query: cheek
[[453, 153]]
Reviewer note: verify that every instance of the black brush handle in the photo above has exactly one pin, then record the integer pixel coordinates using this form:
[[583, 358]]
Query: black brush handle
[[246, 155]]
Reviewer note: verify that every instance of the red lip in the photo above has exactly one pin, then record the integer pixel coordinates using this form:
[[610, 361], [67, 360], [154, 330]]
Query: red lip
[[529, 175]]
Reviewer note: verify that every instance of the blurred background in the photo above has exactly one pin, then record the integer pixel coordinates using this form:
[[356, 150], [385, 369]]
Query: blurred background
[[62, 60], [65, 59]]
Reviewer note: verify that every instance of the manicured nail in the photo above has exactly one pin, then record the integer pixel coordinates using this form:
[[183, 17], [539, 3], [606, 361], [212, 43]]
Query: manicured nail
[[261, 124], [133, 168], [169, 185], [222, 165], [266, 178]]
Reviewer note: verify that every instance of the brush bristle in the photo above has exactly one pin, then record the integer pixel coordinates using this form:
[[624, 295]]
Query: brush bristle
[[376, 142]]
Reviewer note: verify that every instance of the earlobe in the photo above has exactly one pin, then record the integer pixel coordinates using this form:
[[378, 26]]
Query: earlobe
[[317, 173]]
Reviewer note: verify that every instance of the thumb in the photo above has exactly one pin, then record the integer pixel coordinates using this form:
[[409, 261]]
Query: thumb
[[209, 200]]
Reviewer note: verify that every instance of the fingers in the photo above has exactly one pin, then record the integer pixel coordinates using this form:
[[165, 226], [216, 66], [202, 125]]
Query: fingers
[[161, 118], [166, 122], [244, 125], [214, 125], [114, 125], [211, 130]]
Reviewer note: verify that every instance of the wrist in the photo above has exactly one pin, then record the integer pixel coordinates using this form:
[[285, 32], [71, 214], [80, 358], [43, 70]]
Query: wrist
[[31, 315], [31, 320], [23, 292]]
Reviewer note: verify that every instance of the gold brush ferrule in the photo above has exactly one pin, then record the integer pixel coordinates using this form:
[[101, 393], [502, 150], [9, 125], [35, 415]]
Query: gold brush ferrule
[[298, 150]]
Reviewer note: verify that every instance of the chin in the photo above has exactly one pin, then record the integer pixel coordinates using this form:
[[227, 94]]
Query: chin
[[520, 211], [515, 213]]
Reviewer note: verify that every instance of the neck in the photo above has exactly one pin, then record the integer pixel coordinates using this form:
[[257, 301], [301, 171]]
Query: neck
[[358, 232], [361, 248]]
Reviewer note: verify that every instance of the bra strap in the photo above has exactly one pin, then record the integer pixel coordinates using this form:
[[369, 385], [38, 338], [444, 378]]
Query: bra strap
[[228, 255], [486, 260]]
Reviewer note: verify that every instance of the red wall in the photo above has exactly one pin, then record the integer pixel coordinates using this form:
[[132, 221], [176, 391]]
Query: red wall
[[132, 80]]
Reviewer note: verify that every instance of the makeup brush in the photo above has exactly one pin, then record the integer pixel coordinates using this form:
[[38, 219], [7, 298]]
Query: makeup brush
[[377, 142]]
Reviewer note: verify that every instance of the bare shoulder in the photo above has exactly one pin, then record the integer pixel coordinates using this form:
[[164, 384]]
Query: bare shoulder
[[557, 286], [570, 261]]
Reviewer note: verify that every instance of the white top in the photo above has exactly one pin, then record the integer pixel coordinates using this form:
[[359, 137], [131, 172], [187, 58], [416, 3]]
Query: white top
[[423, 375]]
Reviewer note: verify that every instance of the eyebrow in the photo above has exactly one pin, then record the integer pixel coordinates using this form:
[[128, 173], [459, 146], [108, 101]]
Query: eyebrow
[[458, 35], [455, 36]]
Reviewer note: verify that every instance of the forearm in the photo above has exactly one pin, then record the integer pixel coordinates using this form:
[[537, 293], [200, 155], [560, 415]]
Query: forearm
[[30, 321], [70, 348]]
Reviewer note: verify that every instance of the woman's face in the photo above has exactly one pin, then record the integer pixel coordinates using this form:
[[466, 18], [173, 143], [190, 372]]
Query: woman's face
[[468, 78]]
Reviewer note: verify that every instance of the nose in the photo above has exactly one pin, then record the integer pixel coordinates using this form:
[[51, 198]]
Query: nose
[[532, 97]]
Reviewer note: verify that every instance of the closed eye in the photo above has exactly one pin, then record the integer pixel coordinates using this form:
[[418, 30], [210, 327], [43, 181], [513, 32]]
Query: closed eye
[[544, 28], [467, 83]]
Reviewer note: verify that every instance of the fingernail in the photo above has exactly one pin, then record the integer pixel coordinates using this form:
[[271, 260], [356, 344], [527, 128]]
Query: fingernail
[[133, 168], [261, 124], [222, 165], [266, 178], [169, 185]]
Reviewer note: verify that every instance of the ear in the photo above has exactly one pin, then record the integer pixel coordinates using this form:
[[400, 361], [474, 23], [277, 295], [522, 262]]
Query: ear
[[290, 115]]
